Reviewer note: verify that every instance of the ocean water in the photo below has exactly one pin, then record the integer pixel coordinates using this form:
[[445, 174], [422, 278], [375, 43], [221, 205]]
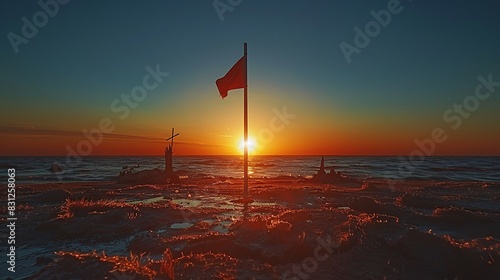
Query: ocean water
[[36, 169]]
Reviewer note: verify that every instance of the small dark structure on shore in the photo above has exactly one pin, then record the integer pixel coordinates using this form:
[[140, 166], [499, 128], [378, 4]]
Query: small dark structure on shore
[[155, 176], [55, 168], [333, 177], [170, 176]]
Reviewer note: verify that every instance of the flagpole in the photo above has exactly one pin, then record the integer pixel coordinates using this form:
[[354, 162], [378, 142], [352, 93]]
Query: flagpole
[[245, 127]]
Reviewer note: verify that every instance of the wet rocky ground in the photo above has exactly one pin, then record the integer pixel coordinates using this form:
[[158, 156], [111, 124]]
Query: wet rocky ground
[[293, 229]]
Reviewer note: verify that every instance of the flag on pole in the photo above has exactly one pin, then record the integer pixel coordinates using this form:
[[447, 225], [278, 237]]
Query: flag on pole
[[234, 79]]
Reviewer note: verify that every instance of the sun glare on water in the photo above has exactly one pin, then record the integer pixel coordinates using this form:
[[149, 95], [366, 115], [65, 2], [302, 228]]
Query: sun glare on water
[[251, 145]]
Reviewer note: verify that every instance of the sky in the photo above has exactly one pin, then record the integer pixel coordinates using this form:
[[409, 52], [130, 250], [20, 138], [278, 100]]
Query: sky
[[66, 87]]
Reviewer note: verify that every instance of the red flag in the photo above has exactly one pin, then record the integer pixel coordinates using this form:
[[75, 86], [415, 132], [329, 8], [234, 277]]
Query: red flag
[[234, 79]]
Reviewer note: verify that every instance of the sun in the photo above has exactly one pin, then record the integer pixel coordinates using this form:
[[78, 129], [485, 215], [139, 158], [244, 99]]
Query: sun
[[252, 145]]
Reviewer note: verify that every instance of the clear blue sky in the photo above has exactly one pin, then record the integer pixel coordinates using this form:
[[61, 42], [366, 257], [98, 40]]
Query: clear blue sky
[[90, 52]]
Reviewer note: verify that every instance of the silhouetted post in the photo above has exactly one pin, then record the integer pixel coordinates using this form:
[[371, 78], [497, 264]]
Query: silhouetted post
[[169, 169], [169, 166], [245, 126], [322, 166]]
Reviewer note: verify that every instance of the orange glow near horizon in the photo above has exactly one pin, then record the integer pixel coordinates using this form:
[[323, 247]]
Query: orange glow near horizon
[[212, 126], [303, 136]]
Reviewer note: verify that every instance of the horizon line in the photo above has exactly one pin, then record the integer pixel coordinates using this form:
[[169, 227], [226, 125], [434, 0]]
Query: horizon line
[[274, 155]]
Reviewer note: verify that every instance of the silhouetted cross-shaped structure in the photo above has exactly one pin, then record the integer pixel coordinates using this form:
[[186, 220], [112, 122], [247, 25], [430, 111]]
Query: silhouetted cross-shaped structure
[[172, 139], [169, 165]]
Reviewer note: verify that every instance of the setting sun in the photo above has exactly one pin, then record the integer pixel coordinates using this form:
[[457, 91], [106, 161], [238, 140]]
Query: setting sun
[[252, 145]]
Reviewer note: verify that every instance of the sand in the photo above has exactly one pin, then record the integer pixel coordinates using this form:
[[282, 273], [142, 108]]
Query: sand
[[294, 229]]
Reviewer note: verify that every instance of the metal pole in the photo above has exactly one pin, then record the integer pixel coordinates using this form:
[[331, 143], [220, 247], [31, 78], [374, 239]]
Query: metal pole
[[245, 126]]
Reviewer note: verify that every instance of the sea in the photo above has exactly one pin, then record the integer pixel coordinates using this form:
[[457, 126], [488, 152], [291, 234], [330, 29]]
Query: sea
[[103, 168]]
